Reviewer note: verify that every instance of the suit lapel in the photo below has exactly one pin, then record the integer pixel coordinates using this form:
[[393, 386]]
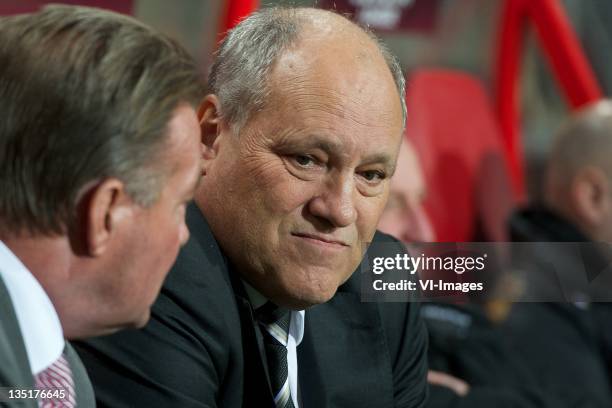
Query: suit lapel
[[15, 371], [257, 389], [343, 359]]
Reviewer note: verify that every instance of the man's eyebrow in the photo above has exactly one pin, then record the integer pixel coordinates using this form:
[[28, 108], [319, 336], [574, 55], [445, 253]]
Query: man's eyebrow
[[380, 158], [314, 142]]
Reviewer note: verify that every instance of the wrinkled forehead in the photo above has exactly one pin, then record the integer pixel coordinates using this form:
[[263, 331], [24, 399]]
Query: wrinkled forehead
[[345, 74], [343, 52]]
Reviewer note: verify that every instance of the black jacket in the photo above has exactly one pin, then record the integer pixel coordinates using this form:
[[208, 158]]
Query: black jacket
[[561, 342], [200, 347], [465, 344]]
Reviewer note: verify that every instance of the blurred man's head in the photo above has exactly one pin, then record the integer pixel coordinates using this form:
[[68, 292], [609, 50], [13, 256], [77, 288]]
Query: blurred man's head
[[99, 151], [404, 216], [579, 173], [301, 132]]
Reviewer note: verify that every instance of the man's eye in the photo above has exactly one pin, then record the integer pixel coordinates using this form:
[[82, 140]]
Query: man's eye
[[304, 160], [373, 176]]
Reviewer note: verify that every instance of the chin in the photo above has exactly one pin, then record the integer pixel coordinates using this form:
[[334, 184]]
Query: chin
[[295, 303], [134, 321], [307, 296], [142, 320]]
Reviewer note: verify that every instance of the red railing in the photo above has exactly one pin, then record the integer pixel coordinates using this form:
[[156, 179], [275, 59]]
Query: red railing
[[565, 55]]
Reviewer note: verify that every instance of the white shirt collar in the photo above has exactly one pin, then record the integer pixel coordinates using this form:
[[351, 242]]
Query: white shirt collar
[[40, 326]]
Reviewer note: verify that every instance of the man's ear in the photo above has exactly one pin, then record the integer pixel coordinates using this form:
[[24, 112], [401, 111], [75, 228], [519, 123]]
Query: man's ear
[[211, 126], [104, 209], [590, 193]]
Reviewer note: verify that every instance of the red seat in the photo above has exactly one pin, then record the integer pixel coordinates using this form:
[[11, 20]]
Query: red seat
[[451, 122]]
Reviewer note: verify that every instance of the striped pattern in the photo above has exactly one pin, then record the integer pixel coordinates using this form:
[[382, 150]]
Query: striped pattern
[[57, 376], [275, 330], [283, 397]]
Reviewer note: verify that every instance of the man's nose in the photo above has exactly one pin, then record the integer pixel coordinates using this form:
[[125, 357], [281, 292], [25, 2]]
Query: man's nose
[[336, 202]]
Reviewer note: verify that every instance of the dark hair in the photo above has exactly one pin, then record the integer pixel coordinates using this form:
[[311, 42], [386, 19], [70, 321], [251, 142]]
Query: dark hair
[[85, 94]]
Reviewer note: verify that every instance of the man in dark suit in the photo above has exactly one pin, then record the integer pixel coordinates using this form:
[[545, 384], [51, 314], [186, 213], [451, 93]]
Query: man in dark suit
[[98, 158], [300, 137], [562, 337], [471, 364]]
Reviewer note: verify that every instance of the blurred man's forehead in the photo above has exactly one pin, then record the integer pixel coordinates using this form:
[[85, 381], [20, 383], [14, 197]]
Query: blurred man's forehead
[[408, 176]]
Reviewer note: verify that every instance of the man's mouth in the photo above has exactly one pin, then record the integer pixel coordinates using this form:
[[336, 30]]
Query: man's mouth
[[322, 240]]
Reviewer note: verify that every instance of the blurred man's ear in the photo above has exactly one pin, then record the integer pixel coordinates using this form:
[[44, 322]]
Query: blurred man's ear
[[104, 210], [211, 125], [590, 193]]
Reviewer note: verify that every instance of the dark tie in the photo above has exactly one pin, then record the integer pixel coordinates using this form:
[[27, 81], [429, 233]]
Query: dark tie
[[58, 376], [274, 322]]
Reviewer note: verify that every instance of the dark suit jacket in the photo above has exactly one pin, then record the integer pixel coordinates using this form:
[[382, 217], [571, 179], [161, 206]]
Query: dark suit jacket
[[200, 348], [464, 343], [560, 342], [15, 371]]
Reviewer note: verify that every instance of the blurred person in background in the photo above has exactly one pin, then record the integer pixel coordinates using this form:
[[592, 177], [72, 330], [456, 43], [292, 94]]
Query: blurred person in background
[[404, 216], [99, 154], [300, 137], [568, 343], [471, 364]]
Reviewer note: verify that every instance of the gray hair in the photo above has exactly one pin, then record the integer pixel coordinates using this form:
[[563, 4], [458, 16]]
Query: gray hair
[[85, 95], [239, 75]]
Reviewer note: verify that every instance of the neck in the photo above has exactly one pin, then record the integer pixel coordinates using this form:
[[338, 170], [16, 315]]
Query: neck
[[48, 259]]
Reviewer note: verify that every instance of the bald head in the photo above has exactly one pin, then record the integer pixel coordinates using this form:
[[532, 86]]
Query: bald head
[[240, 75], [584, 140], [579, 171]]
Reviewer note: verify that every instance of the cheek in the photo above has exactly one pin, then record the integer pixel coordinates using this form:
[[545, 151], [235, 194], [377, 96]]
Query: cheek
[[370, 210], [275, 189], [163, 245], [162, 251], [171, 244]]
